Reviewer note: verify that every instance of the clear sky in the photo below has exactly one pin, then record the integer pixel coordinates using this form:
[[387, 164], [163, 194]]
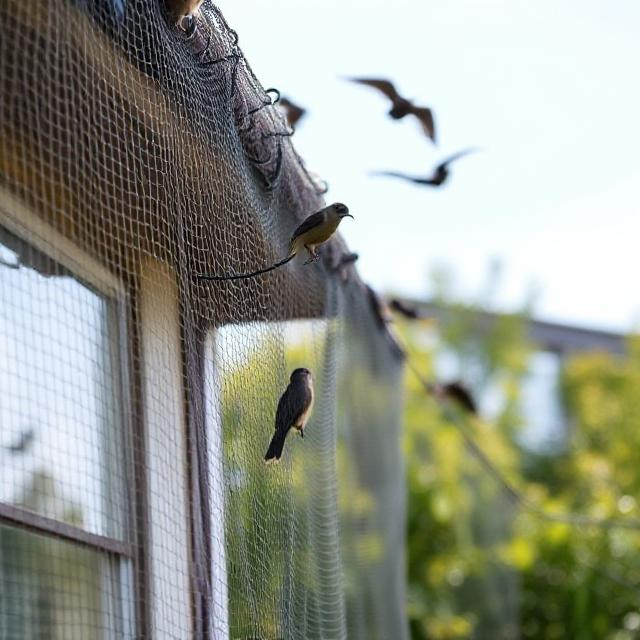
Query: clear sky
[[549, 90]]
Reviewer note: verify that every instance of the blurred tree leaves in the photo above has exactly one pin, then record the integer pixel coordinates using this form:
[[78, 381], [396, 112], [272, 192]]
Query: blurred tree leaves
[[479, 566]]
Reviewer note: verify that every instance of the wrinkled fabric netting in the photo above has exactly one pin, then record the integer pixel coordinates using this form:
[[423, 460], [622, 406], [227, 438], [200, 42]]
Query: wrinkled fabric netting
[[133, 156]]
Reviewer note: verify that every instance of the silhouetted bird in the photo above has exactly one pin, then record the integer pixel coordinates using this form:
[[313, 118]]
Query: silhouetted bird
[[379, 307], [344, 261], [408, 311], [457, 392], [293, 113], [402, 107], [437, 178], [293, 411], [22, 444]]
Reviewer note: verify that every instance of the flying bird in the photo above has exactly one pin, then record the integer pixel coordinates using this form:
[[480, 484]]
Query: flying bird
[[311, 233], [457, 392], [292, 112], [402, 107], [437, 178], [408, 311], [22, 444], [294, 409], [179, 10]]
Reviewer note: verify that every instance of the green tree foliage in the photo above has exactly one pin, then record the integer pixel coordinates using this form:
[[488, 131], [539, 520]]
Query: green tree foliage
[[482, 565]]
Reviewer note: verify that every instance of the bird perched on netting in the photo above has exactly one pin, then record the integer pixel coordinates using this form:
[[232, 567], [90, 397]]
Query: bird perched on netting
[[457, 392], [344, 261], [292, 112], [437, 178], [294, 409], [379, 307], [310, 234], [408, 311], [402, 107], [183, 11]]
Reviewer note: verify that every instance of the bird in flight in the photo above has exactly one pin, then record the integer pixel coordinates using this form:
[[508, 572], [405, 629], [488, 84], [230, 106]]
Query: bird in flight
[[22, 444], [310, 233], [401, 107], [294, 409], [437, 178], [292, 112]]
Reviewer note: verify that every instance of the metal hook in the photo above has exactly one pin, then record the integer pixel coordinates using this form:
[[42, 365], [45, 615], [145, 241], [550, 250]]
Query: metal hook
[[273, 90]]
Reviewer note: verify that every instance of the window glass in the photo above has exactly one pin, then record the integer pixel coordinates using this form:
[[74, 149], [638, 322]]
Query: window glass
[[61, 446], [57, 590]]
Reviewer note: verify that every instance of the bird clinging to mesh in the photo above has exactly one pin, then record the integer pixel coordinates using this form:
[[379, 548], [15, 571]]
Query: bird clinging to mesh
[[402, 107], [294, 409], [437, 178], [379, 307], [292, 112], [182, 13], [457, 392], [310, 233], [342, 264], [406, 310]]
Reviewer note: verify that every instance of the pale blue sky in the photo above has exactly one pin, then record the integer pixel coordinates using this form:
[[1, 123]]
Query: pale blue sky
[[550, 90]]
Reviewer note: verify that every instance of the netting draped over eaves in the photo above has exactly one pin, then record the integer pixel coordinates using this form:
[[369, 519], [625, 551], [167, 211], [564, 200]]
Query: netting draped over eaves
[[136, 403]]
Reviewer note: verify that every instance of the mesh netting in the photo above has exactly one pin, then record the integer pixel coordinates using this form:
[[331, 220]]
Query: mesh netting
[[136, 404]]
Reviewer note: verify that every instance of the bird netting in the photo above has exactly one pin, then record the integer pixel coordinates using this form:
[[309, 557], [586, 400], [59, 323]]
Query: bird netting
[[136, 402]]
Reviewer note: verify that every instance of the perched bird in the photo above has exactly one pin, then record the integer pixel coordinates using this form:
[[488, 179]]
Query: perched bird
[[437, 178], [379, 307], [179, 10], [292, 111], [408, 311], [402, 107], [312, 232], [344, 261], [293, 411], [457, 392], [317, 229], [22, 444]]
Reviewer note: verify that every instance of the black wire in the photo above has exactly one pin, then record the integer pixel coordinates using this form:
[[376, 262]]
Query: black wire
[[239, 276]]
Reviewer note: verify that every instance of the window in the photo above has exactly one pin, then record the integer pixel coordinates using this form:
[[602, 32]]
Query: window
[[65, 552]]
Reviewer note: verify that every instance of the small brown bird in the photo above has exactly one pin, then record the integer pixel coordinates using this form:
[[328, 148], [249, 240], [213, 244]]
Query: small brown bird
[[294, 409], [402, 107], [457, 392], [311, 233], [179, 10], [292, 112], [408, 311], [342, 264], [317, 229], [380, 309], [437, 178]]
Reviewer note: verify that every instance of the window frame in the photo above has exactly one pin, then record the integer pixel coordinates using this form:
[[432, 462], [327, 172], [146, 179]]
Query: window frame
[[22, 222]]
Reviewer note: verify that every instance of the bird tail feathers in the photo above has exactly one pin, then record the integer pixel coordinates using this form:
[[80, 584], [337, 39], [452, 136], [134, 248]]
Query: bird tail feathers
[[274, 452]]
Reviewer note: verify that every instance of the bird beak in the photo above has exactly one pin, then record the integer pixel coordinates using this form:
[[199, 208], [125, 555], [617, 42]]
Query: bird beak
[[346, 215]]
